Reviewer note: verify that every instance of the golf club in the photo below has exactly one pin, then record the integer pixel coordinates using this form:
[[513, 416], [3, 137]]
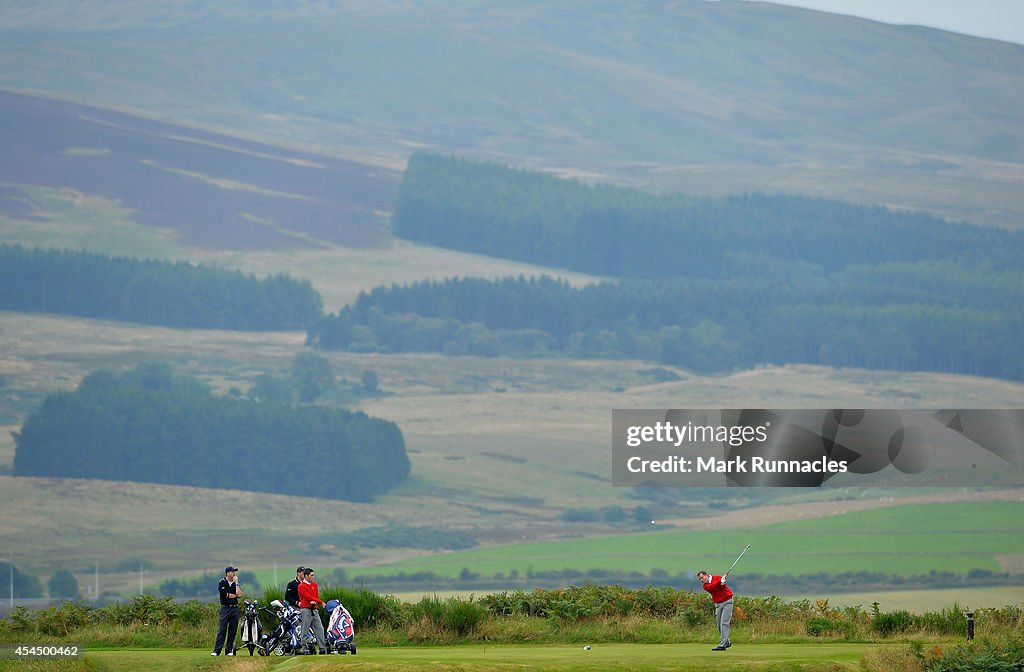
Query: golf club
[[737, 560]]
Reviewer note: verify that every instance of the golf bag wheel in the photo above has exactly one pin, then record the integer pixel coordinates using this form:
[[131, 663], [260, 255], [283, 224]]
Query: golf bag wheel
[[353, 649], [279, 650]]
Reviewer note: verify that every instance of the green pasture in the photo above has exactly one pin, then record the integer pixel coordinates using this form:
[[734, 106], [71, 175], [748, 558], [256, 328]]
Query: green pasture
[[905, 540], [655, 657], [921, 601]]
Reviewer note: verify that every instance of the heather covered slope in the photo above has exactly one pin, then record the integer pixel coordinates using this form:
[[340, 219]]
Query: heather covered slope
[[695, 96]]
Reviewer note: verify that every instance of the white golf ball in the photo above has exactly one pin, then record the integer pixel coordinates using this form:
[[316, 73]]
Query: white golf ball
[[587, 647]]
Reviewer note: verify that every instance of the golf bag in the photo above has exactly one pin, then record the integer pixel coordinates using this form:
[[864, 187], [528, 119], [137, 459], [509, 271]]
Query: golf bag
[[284, 638], [340, 629], [252, 631]]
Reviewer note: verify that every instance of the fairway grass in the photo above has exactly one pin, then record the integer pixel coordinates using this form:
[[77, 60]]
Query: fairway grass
[[645, 657]]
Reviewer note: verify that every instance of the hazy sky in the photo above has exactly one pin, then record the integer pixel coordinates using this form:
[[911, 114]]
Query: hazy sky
[[997, 19]]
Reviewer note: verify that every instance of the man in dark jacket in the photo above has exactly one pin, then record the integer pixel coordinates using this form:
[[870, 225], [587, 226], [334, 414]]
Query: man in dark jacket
[[229, 591], [291, 591]]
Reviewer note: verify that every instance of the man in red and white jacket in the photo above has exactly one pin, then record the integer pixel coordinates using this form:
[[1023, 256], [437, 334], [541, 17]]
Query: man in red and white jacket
[[722, 597], [309, 598]]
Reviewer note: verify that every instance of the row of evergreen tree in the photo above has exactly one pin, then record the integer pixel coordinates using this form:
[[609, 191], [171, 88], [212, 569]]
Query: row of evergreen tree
[[927, 316], [151, 426], [710, 284], [152, 292], [605, 230]]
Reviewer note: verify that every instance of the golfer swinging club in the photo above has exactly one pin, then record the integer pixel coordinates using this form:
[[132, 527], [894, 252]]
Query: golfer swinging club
[[722, 597]]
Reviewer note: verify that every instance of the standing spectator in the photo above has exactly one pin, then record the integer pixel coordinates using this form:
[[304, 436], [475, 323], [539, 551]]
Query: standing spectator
[[309, 598], [291, 591], [229, 591], [722, 597]]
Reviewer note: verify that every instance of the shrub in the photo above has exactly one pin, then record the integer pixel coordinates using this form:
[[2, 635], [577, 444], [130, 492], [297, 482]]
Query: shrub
[[431, 608], [694, 615], [194, 612], [949, 621], [64, 619], [820, 626], [892, 623], [983, 656], [21, 619], [368, 609], [462, 616]]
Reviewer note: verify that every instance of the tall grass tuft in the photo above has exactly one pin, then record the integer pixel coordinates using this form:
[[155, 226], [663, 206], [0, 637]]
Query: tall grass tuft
[[368, 608], [462, 616], [950, 620], [893, 623]]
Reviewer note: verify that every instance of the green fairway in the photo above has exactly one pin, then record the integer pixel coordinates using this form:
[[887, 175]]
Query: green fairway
[[907, 540], [600, 657]]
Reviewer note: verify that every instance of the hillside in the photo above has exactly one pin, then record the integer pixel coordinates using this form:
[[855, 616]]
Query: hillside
[[704, 97], [480, 434], [200, 189]]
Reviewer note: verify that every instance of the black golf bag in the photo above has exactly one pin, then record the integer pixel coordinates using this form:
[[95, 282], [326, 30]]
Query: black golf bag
[[252, 630], [284, 638]]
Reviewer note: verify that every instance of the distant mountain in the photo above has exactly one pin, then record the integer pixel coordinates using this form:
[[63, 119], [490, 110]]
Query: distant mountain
[[705, 97]]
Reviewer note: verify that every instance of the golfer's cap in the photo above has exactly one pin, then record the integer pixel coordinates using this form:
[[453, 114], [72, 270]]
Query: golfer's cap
[[299, 569], [230, 568]]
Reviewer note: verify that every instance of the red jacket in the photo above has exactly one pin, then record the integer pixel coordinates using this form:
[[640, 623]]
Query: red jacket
[[309, 594], [719, 591]]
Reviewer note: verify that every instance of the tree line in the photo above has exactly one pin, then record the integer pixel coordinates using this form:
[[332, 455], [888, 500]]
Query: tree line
[[933, 316], [709, 284], [148, 425], [152, 292], [605, 230]]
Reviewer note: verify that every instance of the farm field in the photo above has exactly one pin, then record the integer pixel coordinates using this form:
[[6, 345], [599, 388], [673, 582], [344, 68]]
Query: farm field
[[904, 540], [647, 658], [920, 601]]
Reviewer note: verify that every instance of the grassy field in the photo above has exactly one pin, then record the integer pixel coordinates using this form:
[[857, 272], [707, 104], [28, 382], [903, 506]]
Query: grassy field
[[920, 601], [904, 540], [647, 658], [341, 273]]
